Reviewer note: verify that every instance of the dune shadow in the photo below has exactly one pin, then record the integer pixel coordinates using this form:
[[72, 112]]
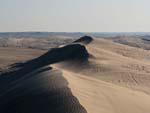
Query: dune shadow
[[35, 87]]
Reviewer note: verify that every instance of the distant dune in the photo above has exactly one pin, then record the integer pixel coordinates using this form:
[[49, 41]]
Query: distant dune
[[40, 43], [133, 41], [89, 75]]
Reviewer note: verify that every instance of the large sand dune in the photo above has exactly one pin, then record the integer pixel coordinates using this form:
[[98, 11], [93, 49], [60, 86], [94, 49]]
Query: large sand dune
[[87, 76]]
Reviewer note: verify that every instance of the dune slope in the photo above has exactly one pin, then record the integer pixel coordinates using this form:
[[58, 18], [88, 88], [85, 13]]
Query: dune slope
[[100, 97], [119, 64], [115, 80], [87, 76], [35, 87]]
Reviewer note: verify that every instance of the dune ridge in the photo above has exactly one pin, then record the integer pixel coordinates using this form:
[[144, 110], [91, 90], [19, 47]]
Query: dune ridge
[[34, 86], [87, 76]]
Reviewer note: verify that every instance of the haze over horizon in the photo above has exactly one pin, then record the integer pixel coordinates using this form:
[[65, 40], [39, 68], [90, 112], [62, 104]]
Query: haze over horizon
[[75, 16]]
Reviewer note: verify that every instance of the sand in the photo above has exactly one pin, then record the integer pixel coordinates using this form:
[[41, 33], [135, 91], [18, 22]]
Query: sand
[[97, 96], [116, 79]]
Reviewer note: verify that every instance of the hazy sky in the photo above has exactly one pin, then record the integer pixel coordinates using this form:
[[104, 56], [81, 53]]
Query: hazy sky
[[75, 15]]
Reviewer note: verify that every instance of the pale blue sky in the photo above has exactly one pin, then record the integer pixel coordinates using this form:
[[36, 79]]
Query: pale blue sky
[[75, 15]]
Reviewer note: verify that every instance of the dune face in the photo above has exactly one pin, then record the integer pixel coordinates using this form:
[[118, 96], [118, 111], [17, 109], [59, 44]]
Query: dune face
[[69, 52], [87, 76], [41, 91], [35, 87]]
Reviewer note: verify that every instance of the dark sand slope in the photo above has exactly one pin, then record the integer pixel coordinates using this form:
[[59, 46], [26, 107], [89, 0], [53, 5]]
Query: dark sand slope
[[84, 40], [34, 87]]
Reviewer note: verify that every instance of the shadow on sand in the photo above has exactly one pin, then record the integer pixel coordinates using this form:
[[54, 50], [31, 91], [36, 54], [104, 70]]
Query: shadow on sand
[[34, 87]]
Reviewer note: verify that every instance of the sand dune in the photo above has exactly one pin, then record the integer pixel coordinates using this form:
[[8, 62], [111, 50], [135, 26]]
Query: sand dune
[[33, 86], [100, 84], [87, 76], [118, 64], [41, 91]]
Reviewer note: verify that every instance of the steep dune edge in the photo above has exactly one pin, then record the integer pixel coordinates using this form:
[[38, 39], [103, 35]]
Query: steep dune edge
[[44, 90], [35, 87]]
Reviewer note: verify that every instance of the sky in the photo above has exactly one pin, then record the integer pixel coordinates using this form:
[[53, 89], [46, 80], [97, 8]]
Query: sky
[[75, 15]]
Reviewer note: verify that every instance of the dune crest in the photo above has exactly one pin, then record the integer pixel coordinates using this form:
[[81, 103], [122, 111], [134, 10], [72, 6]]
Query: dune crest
[[84, 40], [33, 86]]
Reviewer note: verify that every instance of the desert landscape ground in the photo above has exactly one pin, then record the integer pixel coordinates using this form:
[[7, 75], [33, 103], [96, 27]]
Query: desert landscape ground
[[61, 74]]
